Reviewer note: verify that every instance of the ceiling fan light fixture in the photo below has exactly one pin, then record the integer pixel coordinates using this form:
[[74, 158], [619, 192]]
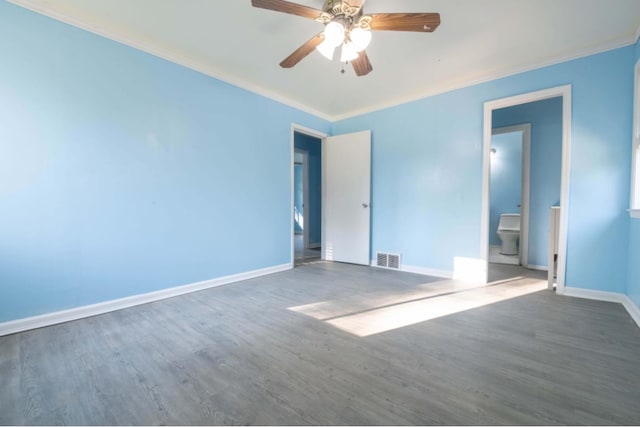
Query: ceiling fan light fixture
[[346, 25], [349, 52], [326, 49], [334, 33], [360, 38]]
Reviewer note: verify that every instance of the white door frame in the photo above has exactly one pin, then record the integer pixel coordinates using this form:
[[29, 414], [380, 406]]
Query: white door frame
[[489, 106], [316, 134], [525, 128], [305, 195]]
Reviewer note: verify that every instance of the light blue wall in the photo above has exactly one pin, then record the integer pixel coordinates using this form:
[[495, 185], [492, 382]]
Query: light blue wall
[[121, 173], [545, 118], [506, 179], [427, 169], [633, 283], [314, 148]]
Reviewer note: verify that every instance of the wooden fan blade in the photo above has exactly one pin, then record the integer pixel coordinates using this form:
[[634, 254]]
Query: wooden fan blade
[[361, 64], [302, 51], [287, 7], [421, 22]]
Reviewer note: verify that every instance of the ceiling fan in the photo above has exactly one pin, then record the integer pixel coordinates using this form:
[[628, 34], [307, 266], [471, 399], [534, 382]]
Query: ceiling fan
[[346, 25]]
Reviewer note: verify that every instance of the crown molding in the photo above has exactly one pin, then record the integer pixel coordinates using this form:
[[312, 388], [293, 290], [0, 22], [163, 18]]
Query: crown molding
[[171, 56], [210, 71], [488, 78]]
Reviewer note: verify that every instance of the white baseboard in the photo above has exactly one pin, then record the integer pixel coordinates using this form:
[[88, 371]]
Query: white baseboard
[[537, 267], [632, 309], [314, 245], [623, 299], [593, 294], [48, 319], [427, 271], [418, 270]]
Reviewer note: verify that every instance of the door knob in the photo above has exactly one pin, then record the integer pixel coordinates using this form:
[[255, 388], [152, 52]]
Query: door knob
[[364, 205]]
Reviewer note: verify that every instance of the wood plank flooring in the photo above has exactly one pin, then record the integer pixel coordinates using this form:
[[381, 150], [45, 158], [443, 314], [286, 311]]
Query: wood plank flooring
[[242, 354]]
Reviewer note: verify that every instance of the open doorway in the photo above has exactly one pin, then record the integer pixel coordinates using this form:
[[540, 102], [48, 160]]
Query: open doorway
[[307, 197], [509, 191], [517, 211]]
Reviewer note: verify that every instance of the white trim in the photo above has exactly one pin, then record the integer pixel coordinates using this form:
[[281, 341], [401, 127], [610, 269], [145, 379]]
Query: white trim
[[489, 106], [172, 56], [634, 202], [321, 136], [623, 299], [418, 270], [570, 291], [427, 271], [537, 267], [308, 131], [632, 309], [417, 95], [49, 319], [525, 197], [252, 87], [634, 213], [314, 245]]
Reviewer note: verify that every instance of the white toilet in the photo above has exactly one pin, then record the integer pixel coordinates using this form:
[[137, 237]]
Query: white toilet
[[509, 233]]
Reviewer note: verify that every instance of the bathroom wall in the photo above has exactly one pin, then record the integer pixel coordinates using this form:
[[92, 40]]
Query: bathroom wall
[[314, 148], [298, 196], [122, 173], [427, 169], [506, 179], [545, 118]]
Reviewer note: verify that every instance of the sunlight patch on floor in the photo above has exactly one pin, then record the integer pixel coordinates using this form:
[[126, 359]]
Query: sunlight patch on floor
[[387, 316], [329, 309]]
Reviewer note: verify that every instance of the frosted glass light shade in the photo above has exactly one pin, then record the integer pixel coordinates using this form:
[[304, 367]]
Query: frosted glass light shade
[[334, 34], [326, 49], [349, 52], [360, 38]]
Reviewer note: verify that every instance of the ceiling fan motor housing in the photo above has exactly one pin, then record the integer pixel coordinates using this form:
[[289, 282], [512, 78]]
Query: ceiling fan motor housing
[[341, 11]]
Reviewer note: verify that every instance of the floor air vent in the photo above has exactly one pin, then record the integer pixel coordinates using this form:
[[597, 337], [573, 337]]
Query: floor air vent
[[385, 260]]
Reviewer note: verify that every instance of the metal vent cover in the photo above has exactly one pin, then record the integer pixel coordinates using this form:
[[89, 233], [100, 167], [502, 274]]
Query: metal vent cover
[[388, 260]]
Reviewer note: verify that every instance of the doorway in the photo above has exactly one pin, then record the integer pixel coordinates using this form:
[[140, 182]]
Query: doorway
[[538, 211], [307, 197], [509, 192], [339, 229]]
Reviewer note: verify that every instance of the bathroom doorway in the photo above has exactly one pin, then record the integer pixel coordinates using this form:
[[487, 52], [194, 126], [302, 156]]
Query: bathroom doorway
[[547, 114], [509, 190]]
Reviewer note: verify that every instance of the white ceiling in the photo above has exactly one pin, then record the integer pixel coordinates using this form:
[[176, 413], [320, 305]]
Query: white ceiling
[[478, 40]]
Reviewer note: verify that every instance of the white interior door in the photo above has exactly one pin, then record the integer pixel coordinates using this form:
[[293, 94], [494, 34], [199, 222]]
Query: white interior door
[[347, 191]]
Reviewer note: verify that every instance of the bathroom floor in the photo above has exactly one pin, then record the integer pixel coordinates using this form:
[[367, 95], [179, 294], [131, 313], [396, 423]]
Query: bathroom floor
[[501, 272], [497, 257]]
